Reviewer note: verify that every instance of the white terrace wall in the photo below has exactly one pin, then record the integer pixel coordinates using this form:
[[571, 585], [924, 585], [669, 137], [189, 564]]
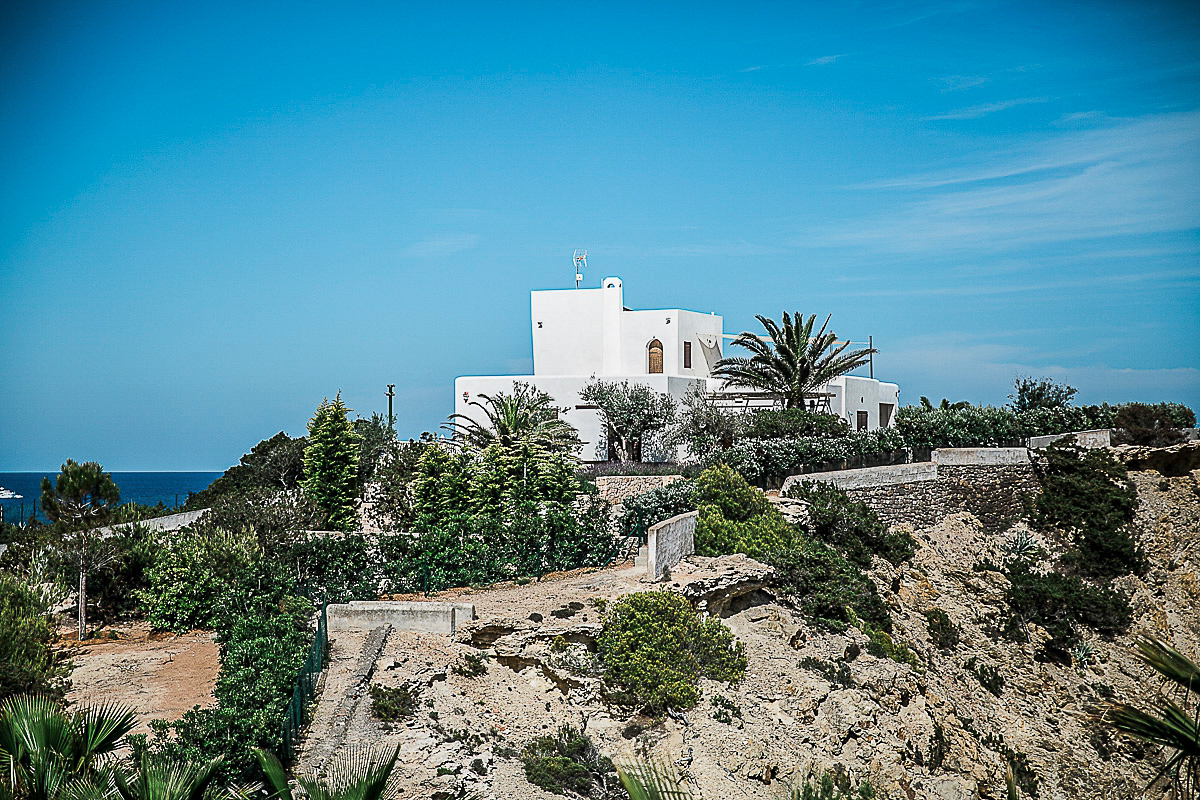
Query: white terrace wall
[[668, 542], [1090, 439], [367, 615]]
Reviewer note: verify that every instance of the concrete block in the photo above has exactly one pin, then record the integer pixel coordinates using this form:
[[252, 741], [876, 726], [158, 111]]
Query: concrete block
[[980, 456], [419, 617], [668, 542]]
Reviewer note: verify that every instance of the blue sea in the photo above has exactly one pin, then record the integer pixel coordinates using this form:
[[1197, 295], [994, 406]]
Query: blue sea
[[150, 488]]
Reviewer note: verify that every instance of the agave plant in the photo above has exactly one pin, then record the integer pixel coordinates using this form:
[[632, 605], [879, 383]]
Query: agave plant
[[525, 418], [794, 362], [1175, 726], [360, 773]]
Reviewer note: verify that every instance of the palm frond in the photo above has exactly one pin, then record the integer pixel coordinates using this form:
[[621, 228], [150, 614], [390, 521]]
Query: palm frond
[[1169, 662], [651, 780], [360, 773]]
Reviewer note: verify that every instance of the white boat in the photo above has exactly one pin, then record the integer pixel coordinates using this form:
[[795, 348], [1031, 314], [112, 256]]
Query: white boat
[[8, 494]]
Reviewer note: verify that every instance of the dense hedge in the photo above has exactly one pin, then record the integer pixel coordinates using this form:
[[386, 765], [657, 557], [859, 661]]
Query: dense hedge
[[28, 664], [656, 505]]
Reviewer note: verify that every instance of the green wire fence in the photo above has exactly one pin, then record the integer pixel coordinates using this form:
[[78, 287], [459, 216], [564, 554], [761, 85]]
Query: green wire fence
[[297, 714]]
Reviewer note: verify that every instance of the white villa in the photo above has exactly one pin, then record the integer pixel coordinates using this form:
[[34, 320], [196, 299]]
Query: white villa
[[584, 334]]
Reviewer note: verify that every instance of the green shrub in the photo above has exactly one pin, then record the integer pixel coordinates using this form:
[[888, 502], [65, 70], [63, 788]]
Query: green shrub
[[471, 665], [1155, 425], [566, 762], [656, 647], [835, 785], [394, 703], [881, 645], [1088, 493], [335, 568], [735, 517], [793, 423], [756, 536], [826, 587], [766, 462], [28, 664], [191, 573], [942, 631], [114, 588], [989, 676], [836, 676], [1059, 602], [656, 505], [726, 709], [850, 526]]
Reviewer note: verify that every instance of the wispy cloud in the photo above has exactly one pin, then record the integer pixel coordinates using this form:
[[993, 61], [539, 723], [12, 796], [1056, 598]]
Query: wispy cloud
[[817, 62], [1135, 177], [441, 246], [954, 83], [975, 112], [755, 68]]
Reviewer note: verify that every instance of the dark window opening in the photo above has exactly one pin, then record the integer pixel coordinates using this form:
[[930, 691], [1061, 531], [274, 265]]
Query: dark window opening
[[862, 420], [687, 355]]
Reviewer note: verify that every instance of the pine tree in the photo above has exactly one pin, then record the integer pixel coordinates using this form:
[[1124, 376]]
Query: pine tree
[[331, 464]]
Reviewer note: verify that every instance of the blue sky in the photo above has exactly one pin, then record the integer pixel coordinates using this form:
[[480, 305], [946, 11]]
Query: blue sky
[[214, 214]]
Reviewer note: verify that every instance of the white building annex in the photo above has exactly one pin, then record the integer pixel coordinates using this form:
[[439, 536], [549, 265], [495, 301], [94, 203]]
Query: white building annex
[[584, 334]]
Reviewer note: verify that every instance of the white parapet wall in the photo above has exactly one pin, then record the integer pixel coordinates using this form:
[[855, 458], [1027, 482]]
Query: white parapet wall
[[1089, 439], [869, 476], [366, 615], [980, 456], [668, 542]]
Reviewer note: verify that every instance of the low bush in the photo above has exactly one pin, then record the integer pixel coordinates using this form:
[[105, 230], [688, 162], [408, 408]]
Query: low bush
[[567, 761], [826, 587], [1087, 493], [835, 785], [656, 505], [942, 631], [793, 423], [114, 588], [28, 663], [1059, 602], [335, 567], [471, 665], [988, 675], [657, 647], [394, 703], [850, 526], [726, 709], [1155, 425], [192, 571], [735, 517]]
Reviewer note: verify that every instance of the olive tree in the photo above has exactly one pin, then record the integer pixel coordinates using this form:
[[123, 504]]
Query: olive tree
[[632, 412]]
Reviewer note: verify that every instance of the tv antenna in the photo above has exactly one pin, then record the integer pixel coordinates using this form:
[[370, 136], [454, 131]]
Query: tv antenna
[[580, 259]]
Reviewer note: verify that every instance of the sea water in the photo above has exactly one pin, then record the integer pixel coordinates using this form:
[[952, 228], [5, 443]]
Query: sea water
[[149, 488]]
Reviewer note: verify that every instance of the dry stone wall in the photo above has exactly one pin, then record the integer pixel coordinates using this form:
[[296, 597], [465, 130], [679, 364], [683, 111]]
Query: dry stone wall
[[987, 482], [616, 489]]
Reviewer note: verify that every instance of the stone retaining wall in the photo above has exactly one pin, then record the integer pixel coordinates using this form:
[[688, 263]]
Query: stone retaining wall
[[617, 488], [668, 542]]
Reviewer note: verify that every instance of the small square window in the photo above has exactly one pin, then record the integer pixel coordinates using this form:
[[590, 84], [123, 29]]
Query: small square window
[[687, 355]]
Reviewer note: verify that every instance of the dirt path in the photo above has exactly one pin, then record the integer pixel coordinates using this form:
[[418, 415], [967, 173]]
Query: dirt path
[[159, 675]]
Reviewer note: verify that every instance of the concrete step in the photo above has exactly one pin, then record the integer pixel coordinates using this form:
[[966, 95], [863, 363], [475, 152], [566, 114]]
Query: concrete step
[[642, 557]]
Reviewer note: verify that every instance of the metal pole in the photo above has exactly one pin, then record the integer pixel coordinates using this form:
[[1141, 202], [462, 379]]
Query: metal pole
[[391, 392]]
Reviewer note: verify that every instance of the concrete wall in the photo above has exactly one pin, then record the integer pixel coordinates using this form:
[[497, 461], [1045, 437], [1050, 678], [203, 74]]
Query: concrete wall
[[870, 476], [1089, 439], [367, 615], [171, 522], [668, 542], [980, 456]]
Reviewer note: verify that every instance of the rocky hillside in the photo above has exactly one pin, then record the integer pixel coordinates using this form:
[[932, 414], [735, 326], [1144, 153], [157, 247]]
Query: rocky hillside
[[943, 725]]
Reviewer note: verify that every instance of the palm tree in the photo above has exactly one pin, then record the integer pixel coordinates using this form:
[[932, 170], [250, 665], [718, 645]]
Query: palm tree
[[794, 362], [525, 418], [1168, 723], [361, 773], [46, 753], [946, 405]]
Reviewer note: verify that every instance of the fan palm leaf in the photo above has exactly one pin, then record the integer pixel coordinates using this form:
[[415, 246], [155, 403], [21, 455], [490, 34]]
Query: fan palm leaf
[[524, 417], [169, 781], [359, 773], [1168, 723], [651, 781], [793, 361]]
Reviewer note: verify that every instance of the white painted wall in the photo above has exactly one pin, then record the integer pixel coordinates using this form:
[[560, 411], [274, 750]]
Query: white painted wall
[[853, 394]]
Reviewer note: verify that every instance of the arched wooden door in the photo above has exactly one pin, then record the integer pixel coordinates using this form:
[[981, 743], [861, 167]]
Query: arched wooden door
[[655, 357]]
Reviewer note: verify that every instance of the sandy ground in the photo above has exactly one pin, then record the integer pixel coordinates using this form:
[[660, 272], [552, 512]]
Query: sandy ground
[[159, 675]]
